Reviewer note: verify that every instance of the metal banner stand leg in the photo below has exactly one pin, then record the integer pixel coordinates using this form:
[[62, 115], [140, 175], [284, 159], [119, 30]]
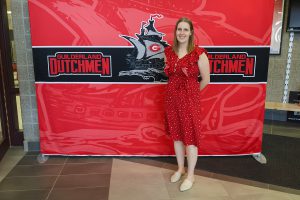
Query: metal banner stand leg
[[41, 158], [260, 158]]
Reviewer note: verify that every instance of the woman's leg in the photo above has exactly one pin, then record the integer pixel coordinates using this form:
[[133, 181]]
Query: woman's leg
[[192, 156], [180, 152]]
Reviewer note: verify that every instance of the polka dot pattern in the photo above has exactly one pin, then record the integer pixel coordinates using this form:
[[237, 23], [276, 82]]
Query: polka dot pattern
[[182, 100]]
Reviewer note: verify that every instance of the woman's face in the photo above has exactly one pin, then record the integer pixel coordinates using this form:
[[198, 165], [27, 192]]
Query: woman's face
[[183, 32]]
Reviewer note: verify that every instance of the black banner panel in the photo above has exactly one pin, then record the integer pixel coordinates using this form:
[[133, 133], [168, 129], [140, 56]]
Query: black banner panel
[[120, 64]]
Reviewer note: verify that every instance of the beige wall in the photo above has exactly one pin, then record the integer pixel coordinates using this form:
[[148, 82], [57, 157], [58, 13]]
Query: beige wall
[[277, 66], [23, 47]]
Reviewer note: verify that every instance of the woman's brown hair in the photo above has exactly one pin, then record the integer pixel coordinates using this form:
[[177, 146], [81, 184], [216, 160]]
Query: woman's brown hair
[[191, 43]]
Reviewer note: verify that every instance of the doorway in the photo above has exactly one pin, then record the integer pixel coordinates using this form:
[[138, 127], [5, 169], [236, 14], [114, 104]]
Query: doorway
[[10, 132]]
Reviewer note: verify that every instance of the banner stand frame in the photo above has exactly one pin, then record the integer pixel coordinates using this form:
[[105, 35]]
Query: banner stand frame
[[260, 158], [42, 158]]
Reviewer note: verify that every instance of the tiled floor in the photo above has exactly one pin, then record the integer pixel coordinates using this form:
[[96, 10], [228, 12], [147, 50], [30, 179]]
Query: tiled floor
[[88, 178], [58, 178], [121, 178]]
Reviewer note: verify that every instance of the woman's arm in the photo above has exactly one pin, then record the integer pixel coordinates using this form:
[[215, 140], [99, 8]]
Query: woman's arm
[[204, 69]]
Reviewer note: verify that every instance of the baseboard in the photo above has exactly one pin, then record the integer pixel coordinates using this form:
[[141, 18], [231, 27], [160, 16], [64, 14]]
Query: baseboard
[[31, 146], [276, 115]]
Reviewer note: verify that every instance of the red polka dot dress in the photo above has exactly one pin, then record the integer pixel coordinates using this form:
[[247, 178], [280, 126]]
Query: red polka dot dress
[[182, 102]]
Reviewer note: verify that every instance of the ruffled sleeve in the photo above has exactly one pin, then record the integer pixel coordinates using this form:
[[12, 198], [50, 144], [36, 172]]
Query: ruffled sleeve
[[193, 70], [199, 51]]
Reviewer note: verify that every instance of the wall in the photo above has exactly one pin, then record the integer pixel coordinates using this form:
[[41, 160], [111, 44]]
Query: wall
[[277, 66], [25, 73]]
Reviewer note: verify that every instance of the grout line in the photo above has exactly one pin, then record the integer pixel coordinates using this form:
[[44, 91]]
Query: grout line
[[39, 165], [85, 174], [74, 163], [56, 179], [56, 175], [165, 183], [57, 188], [23, 190], [86, 163], [72, 188], [29, 176], [110, 175], [61, 164]]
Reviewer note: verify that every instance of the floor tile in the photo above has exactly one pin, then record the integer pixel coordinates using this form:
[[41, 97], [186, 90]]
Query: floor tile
[[133, 167], [33, 153], [285, 131], [280, 195], [250, 197], [90, 180], [243, 181], [294, 196], [203, 187], [10, 159], [267, 129], [96, 193], [234, 189], [266, 196], [89, 159], [27, 183], [131, 180], [30, 170], [24, 195], [153, 161], [287, 124], [284, 189], [32, 160], [203, 197], [87, 168], [15, 151], [204, 173]]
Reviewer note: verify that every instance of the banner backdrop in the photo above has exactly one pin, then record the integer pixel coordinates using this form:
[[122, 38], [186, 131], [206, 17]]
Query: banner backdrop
[[100, 83]]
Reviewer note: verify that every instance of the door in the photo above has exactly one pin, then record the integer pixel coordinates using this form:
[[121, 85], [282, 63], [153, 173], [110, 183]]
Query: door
[[4, 140], [9, 130]]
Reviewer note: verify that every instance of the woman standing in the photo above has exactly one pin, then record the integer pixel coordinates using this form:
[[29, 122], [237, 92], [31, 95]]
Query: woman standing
[[184, 63]]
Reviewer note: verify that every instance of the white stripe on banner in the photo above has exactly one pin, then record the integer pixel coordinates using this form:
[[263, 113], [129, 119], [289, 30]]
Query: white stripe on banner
[[150, 83], [267, 46]]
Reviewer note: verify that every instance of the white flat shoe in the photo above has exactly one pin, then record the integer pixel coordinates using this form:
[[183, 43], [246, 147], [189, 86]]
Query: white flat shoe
[[176, 177], [186, 185]]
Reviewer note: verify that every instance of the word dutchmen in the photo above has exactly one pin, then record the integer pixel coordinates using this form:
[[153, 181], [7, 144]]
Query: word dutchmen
[[79, 63], [232, 63]]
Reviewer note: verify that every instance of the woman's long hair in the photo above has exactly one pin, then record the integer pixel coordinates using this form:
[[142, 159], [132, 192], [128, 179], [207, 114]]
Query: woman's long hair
[[191, 43]]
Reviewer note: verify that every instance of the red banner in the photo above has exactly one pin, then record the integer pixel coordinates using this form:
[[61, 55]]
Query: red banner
[[128, 119], [99, 23], [100, 83]]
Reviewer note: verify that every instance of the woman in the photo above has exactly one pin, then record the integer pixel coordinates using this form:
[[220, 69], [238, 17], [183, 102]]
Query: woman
[[184, 63]]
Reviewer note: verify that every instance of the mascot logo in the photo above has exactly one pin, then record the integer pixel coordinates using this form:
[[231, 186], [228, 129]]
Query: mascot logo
[[147, 58]]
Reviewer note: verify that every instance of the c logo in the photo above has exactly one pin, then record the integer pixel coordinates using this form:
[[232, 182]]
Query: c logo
[[154, 47]]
